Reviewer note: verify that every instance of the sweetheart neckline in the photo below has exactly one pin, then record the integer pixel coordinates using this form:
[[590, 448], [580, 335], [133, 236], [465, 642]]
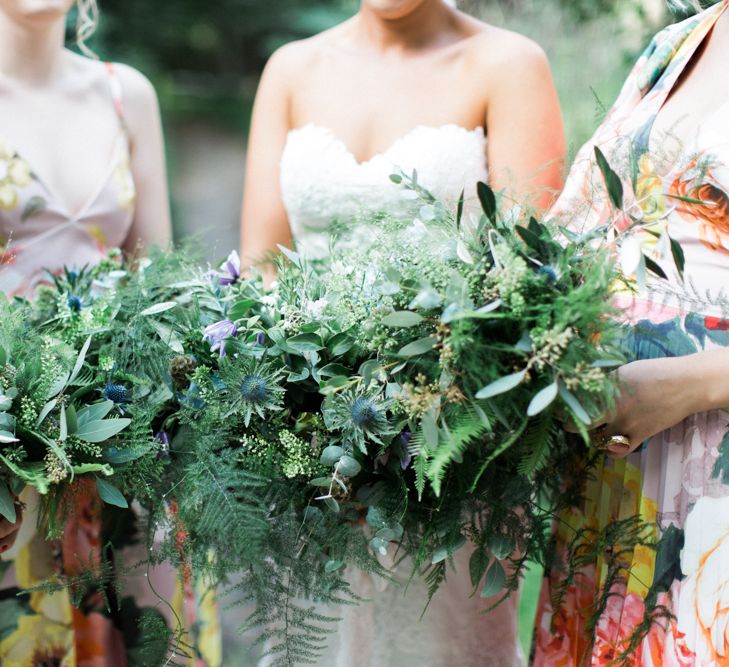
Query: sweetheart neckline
[[477, 132]]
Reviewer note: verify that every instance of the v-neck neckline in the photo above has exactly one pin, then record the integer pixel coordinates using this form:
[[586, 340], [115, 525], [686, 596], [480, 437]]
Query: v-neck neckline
[[95, 192], [673, 77]]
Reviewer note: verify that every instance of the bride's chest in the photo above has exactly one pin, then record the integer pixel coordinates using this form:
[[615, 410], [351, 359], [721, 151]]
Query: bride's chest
[[321, 178]]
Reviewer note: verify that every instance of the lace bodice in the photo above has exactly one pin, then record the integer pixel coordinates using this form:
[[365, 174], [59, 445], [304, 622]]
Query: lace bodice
[[321, 180]]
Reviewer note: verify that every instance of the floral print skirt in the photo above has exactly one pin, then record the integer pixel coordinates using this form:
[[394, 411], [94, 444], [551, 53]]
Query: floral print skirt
[[119, 628], [678, 483]]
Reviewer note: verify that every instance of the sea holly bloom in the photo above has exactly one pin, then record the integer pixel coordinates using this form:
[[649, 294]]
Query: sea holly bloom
[[215, 334], [250, 388], [359, 417], [75, 303]]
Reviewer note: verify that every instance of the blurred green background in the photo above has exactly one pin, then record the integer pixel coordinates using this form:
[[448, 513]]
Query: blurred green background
[[205, 58]]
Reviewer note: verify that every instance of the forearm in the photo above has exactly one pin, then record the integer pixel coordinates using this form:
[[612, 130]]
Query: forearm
[[707, 379]]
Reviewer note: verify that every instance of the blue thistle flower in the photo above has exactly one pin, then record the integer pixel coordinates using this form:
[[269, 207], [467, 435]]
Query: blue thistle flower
[[75, 303], [549, 272], [117, 393], [254, 389], [72, 275], [364, 413], [359, 417], [260, 338]]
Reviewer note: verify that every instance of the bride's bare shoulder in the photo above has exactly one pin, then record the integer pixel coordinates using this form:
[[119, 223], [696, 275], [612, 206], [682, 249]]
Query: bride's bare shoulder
[[301, 56], [497, 49]]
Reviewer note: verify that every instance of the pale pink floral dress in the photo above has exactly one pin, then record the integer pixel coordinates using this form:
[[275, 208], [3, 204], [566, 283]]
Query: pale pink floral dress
[[678, 482], [39, 235]]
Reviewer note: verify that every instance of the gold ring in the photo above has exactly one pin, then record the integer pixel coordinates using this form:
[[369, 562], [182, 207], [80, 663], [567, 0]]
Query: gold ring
[[619, 442]]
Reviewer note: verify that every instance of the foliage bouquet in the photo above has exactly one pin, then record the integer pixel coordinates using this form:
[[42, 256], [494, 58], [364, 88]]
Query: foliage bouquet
[[404, 396], [53, 428]]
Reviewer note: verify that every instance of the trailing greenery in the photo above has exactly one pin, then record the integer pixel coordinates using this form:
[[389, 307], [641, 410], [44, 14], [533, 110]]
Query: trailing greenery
[[407, 394]]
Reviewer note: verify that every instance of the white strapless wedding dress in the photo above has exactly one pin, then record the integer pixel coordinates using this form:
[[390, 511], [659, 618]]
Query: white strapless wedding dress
[[322, 180]]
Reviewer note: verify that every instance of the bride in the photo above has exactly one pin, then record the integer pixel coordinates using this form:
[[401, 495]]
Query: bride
[[405, 84]]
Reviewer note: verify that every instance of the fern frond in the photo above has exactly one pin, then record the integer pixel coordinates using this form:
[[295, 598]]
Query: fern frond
[[453, 442], [537, 441]]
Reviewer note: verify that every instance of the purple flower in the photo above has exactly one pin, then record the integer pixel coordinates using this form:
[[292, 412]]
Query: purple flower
[[215, 334], [260, 338], [163, 438], [231, 270], [405, 456]]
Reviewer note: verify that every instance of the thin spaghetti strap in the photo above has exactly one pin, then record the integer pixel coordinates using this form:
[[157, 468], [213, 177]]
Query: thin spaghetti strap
[[116, 93]]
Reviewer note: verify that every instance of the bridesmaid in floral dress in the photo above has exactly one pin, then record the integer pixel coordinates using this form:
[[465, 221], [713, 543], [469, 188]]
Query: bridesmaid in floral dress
[[81, 171], [675, 471]]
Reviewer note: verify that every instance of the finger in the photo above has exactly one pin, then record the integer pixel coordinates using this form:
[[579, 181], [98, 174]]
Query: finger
[[619, 450], [8, 541], [7, 528]]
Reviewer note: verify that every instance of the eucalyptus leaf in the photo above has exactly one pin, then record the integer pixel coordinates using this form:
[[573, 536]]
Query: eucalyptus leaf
[[71, 419], [292, 256], [571, 400], [169, 337], [501, 546], [158, 308], [607, 363], [349, 466], [331, 454], [333, 565], [501, 386], [332, 504], [35, 206], [494, 581], [94, 412], [63, 434], [79, 361], [110, 494], [418, 347], [101, 429], [543, 399], [118, 456], [45, 411], [402, 318]]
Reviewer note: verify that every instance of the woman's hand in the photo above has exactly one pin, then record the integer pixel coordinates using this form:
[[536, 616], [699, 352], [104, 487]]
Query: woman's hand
[[655, 394], [9, 531]]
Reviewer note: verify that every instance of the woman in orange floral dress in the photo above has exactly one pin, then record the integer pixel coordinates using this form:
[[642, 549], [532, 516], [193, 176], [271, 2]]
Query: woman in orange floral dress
[[81, 170], [667, 138]]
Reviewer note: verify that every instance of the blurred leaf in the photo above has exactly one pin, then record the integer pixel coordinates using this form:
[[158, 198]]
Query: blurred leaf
[[542, 400], [502, 385], [110, 494], [402, 318], [612, 180]]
